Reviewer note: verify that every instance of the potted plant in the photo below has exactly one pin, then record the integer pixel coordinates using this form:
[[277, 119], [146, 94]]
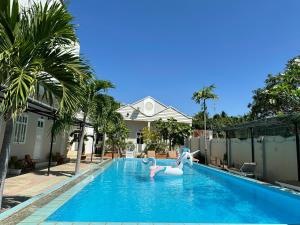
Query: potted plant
[[53, 159], [15, 166]]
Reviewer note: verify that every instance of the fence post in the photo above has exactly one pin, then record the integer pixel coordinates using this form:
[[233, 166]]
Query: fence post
[[297, 149], [252, 144], [227, 149]]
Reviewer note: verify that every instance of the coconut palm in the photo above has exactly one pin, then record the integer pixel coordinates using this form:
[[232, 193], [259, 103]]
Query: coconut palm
[[36, 60], [201, 97]]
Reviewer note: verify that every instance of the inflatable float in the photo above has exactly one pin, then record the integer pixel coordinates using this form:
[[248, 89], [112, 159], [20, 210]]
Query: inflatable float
[[185, 158]]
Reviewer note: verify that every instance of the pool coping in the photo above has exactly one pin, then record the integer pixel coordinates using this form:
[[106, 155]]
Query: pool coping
[[41, 214], [263, 184], [9, 216]]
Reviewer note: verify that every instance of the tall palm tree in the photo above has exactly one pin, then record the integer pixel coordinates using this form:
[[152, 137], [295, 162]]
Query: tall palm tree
[[201, 97], [117, 132], [91, 91], [103, 115], [36, 60]]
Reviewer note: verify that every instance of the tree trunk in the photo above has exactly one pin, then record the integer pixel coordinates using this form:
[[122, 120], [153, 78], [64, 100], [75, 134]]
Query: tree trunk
[[205, 143], [80, 145], [93, 145], [113, 150], [4, 155], [103, 147], [119, 152]]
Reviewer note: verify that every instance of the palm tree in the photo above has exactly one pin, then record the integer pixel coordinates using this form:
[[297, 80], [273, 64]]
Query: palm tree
[[36, 60], [117, 132], [103, 115], [92, 90], [201, 97]]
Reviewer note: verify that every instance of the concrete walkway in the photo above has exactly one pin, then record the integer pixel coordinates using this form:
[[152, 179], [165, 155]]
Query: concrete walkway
[[20, 188]]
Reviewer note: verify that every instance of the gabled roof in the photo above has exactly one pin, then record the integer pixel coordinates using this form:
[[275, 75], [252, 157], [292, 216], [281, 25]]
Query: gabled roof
[[141, 100], [129, 105], [166, 108]]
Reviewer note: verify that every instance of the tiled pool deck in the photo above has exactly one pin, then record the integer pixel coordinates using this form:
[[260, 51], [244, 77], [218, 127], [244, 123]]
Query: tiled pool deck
[[29, 207], [40, 215]]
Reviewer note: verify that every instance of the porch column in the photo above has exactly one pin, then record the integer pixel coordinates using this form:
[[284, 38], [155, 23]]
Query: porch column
[[149, 125]]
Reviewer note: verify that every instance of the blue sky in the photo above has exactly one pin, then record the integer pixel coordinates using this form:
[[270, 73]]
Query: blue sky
[[170, 48]]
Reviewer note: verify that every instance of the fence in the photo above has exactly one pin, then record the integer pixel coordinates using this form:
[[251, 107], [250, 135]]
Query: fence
[[275, 155]]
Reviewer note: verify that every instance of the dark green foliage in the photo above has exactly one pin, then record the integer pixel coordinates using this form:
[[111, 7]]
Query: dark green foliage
[[218, 122], [172, 131], [280, 95]]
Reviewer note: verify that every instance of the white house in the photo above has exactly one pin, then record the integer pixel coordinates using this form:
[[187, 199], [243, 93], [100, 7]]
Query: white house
[[32, 133], [141, 113]]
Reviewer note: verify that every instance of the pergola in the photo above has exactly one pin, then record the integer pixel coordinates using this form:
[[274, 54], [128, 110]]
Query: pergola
[[40, 108], [265, 124]]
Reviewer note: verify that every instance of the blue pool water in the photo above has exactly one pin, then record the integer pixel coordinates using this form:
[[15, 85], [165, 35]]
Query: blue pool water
[[124, 192]]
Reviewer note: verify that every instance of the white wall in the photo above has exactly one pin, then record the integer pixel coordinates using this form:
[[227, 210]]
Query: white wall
[[281, 158], [21, 149], [218, 148], [275, 156], [240, 151], [134, 127]]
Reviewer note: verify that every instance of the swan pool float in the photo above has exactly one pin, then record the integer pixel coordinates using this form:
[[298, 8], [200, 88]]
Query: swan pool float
[[185, 158]]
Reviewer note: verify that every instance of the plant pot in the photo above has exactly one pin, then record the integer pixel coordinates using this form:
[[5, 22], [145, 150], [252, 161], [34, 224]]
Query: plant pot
[[161, 156], [14, 172]]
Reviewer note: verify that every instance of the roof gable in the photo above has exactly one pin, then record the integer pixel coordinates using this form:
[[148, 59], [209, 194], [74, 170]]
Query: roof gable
[[149, 106], [173, 113], [149, 109]]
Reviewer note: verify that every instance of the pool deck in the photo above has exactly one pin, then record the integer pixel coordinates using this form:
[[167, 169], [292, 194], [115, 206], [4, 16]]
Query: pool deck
[[21, 188], [60, 181], [42, 213]]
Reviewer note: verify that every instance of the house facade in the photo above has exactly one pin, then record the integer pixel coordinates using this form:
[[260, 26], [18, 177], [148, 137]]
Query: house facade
[[142, 113], [32, 136]]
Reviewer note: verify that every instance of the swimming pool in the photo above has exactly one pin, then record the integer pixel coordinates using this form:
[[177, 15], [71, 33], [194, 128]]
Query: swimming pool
[[124, 192]]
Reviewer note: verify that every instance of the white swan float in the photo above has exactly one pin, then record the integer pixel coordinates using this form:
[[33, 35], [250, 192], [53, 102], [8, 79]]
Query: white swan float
[[177, 170]]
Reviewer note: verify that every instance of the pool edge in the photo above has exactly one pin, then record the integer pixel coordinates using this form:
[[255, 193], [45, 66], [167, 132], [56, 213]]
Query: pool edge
[[8, 216]]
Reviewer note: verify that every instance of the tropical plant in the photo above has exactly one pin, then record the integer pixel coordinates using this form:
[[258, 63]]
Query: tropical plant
[[201, 97], [36, 60], [15, 163], [150, 136], [130, 146], [280, 95], [172, 131], [103, 114], [117, 132], [91, 91], [218, 122]]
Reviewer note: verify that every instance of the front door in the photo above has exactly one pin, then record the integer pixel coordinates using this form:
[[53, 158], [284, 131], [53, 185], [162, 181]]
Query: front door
[[39, 138]]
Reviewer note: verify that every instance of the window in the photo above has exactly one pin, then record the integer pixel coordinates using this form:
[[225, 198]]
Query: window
[[40, 123], [139, 138], [20, 129]]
